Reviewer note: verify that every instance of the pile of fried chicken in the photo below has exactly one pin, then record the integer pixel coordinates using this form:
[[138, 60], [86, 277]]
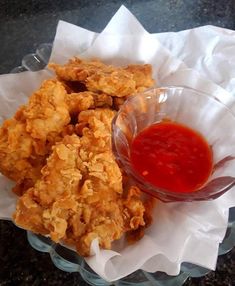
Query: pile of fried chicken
[[57, 149]]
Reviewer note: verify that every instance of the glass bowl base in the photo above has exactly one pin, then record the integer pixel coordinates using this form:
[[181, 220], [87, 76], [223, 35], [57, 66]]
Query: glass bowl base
[[69, 261]]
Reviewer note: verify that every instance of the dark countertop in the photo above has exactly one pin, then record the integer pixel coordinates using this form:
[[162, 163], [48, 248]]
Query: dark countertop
[[26, 24]]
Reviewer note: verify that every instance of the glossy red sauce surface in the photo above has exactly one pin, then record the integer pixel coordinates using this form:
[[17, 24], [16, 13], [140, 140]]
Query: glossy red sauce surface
[[172, 156]]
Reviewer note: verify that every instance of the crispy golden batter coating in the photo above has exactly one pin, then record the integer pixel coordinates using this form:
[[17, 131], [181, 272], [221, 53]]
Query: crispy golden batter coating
[[100, 78], [142, 75], [78, 102], [57, 148], [18, 157], [80, 195], [26, 139], [47, 111], [115, 83], [77, 69]]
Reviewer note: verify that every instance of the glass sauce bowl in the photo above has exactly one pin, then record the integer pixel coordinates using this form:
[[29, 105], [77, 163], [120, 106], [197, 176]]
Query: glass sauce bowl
[[200, 112]]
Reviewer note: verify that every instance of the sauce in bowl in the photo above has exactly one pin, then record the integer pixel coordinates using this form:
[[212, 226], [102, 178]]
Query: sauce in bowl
[[172, 156]]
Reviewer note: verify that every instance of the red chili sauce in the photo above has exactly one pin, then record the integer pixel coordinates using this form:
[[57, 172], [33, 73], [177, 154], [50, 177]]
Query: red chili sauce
[[172, 156]]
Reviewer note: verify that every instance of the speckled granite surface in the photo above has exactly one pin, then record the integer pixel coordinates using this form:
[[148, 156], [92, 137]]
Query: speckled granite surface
[[21, 265], [26, 24]]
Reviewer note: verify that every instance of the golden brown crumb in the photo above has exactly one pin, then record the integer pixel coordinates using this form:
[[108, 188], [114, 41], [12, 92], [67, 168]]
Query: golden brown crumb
[[77, 69], [100, 78], [79, 196], [57, 148], [142, 75], [26, 139], [78, 102]]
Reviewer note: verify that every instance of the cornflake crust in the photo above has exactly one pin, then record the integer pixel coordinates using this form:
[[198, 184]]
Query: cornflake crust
[[57, 148]]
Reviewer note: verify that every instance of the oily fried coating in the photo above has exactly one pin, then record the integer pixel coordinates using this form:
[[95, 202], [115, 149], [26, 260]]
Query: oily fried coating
[[100, 78], [47, 111], [102, 99], [115, 83], [78, 102], [80, 196], [142, 75], [58, 150], [77, 69], [26, 139], [122, 82], [18, 151], [40, 208], [138, 233]]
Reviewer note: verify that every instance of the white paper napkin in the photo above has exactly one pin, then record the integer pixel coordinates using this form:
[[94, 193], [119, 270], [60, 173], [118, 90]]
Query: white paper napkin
[[212, 52], [181, 232]]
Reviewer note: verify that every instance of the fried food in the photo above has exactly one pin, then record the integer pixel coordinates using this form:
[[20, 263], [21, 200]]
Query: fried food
[[80, 195], [142, 75], [26, 139], [78, 102], [100, 78], [57, 148], [115, 83], [78, 70], [47, 112]]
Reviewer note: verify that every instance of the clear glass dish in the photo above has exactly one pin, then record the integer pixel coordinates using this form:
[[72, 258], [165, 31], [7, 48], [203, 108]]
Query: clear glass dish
[[200, 112], [69, 261]]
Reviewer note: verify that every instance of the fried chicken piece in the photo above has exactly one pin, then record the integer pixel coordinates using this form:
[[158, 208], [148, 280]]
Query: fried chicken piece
[[59, 153], [101, 78], [115, 83], [143, 79], [77, 69], [80, 196], [40, 208], [138, 233], [97, 76], [102, 100], [142, 75], [18, 158], [26, 139], [121, 82], [47, 111], [78, 102]]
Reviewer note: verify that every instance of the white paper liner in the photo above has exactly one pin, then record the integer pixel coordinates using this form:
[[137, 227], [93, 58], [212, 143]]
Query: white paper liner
[[181, 232], [212, 52]]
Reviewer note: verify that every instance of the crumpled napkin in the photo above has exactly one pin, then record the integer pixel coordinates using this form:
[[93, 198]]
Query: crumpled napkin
[[181, 232]]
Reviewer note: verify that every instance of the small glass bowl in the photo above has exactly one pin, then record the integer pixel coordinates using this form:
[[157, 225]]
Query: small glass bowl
[[199, 111]]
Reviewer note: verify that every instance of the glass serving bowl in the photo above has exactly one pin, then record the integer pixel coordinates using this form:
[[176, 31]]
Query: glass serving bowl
[[199, 111], [69, 261]]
